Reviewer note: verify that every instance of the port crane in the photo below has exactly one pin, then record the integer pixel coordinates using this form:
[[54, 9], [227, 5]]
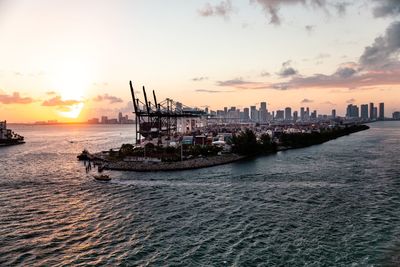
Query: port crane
[[157, 119]]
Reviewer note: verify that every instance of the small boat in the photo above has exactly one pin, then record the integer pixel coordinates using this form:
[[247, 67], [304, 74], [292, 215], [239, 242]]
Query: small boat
[[102, 177]]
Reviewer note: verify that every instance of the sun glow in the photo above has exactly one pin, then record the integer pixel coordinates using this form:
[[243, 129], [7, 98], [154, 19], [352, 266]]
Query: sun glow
[[71, 80]]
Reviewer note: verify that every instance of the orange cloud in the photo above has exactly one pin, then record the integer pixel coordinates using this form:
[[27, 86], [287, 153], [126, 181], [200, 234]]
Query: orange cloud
[[15, 98], [58, 102]]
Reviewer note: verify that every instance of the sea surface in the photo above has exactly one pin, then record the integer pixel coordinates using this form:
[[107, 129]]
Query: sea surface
[[335, 204]]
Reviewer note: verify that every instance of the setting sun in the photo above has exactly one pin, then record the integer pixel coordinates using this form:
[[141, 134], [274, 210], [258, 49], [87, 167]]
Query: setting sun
[[71, 81]]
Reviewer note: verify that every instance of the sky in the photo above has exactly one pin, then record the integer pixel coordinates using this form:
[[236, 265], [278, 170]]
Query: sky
[[73, 60]]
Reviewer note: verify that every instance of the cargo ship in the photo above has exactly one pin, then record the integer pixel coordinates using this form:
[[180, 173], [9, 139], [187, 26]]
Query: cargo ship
[[8, 137]]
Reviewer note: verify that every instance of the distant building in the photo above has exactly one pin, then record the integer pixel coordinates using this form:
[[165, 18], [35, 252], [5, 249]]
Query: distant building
[[288, 114], [93, 121], [307, 115], [302, 114], [352, 111], [246, 116], [396, 115], [263, 112], [371, 111], [382, 111], [364, 112], [295, 115], [333, 114], [314, 115], [375, 113], [254, 113], [104, 119], [280, 115]]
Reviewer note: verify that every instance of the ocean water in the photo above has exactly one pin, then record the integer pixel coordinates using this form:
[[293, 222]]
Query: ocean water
[[335, 204]]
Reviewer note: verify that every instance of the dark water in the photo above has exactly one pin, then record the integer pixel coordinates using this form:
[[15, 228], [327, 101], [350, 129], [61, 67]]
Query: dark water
[[336, 204]]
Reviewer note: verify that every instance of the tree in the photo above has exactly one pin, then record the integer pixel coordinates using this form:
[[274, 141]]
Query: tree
[[245, 143]]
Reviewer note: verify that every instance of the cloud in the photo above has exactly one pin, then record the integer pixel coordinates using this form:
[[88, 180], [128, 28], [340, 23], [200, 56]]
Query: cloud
[[384, 50], [341, 8], [199, 79], [106, 97], [350, 101], [287, 70], [328, 103], [265, 74], [58, 102], [386, 8], [345, 72], [211, 91], [223, 9], [15, 98], [344, 77], [309, 28], [306, 100], [239, 83], [271, 7]]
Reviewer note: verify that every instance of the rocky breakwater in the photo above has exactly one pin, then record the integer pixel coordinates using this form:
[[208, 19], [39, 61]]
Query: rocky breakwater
[[194, 163]]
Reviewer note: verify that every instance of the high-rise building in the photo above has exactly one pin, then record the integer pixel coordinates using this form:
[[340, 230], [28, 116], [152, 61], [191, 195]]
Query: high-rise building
[[371, 111], [288, 114], [352, 111], [295, 115], [280, 115], [382, 111], [120, 118], [104, 119], [302, 113], [307, 115], [333, 114], [263, 111], [364, 112], [253, 113], [246, 116], [314, 114], [396, 115]]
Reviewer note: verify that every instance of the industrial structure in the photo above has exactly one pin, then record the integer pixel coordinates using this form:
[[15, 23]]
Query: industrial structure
[[159, 119]]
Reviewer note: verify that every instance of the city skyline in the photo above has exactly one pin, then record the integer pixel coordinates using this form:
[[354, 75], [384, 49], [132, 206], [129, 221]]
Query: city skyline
[[71, 64]]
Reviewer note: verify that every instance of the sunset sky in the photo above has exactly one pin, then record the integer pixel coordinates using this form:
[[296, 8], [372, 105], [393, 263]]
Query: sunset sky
[[72, 60]]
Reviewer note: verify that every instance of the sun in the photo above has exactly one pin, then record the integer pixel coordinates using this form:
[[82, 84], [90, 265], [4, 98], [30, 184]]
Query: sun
[[71, 80]]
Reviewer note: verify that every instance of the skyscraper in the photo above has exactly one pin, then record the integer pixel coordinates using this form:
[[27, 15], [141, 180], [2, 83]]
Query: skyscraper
[[263, 111], [280, 115], [253, 113], [371, 111], [352, 111], [288, 114], [295, 115], [302, 113], [246, 116], [382, 111], [364, 111], [333, 113]]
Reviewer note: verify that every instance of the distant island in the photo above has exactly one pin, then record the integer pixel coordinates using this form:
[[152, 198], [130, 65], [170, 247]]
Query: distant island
[[191, 152]]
